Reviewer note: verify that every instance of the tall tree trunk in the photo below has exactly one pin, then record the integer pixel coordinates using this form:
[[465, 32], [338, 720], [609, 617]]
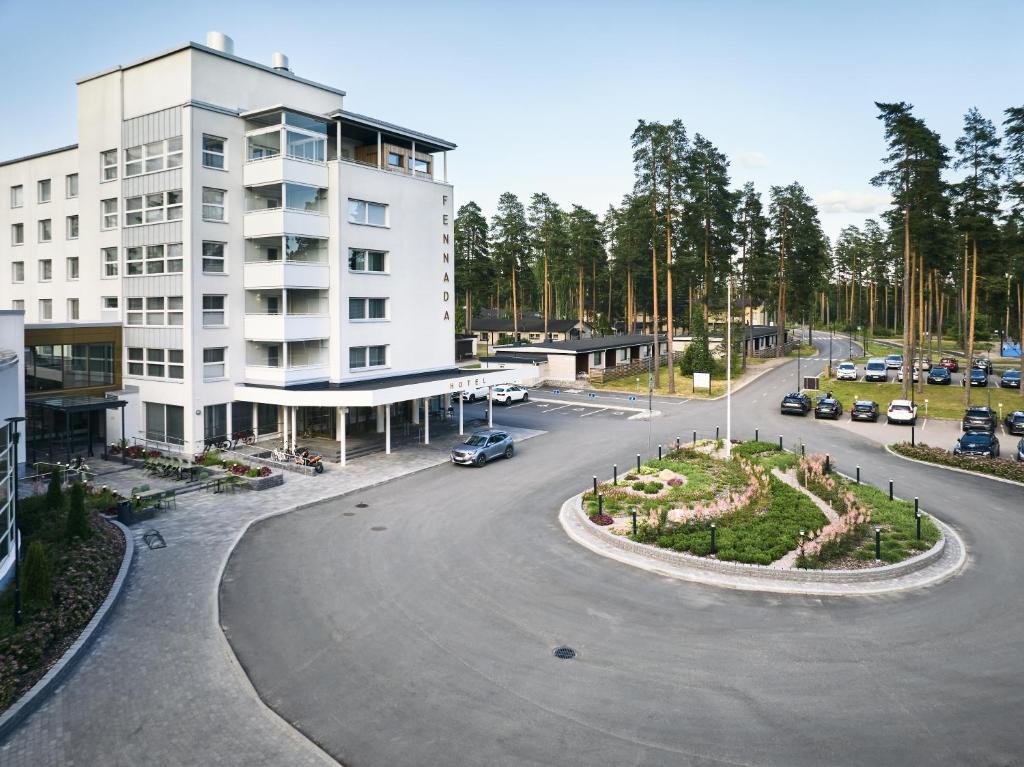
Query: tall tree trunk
[[920, 323], [963, 300], [1020, 336], [547, 293], [580, 297], [907, 282], [707, 270], [970, 323], [781, 309], [668, 294]]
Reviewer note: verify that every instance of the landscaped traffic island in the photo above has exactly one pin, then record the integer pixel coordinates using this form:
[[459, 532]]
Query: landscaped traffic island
[[761, 506], [994, 467]]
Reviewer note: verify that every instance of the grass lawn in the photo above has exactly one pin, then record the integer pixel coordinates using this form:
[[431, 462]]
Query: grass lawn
[[684, 385]]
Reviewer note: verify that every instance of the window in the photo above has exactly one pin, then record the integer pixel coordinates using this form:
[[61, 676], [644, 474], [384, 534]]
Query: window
[[367, 260], [369, 213], [109, 214], [175, 310], [215, 421], [213, 258], [155, 311], [152, 157], [17, 234], [72, 227], [71, 185], [422, 166], [367, 308], [72, 308], [108, 165], [165, 423], [17, 196], [213, 311], [155, 363], [213, 152], [109, 257], [17, 271], [152, 208], [153, 259], [71, 267], [45, 309], [18, 304], [595, 358], [45, 270], [367, 356], [214, 366], [213, 204], [305, 198], [43, 189], [109, 302], [394, 160], [134, 311], [302, 146], [136, 356], [45, 230]]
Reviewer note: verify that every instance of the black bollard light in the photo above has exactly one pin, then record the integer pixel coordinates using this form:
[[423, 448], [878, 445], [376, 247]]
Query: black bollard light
[[912, 441], [858, 475], [595, 484], [634, 521], [917, 516], [803, 450], [890, 489], [638, 463], [677, 443], [695, 436], [615, 474], [878, 543], [714, 548], [757, 435], [828, 463], [716, 433], [659, 452], [780, 442]]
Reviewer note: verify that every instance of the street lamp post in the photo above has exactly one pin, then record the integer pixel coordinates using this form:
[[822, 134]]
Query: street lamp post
[[13, 456], [728, 369]]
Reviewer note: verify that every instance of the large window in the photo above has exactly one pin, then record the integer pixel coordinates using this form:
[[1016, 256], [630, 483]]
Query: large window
[[213, 311], [213, 152], [108, 210], [155, 311], [213, 258], [303, 354], [69, 366], [71, 185], [17, 234], [45, 269], [215, 421], [153, 259], [156, 363], [108, 165], [215, 363], [306, 198], [152, 157], [152, 208], [213, 205], [368, 213], [303, 146], [17, 196], [71, 267], [165, 423], [44, 189], [110, 262], [367, 356], [45, 230], [367, 308], [72, 227], [360, 260], [17, 271]]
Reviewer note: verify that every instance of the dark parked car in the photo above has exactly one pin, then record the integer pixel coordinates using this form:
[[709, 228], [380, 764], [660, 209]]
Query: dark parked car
[[864, 410], [797, 402], [1010, 379], [979, 443], [977, 377], [482, 446], [950, 363], [983, 363], [939, 376], [979, 418], [1014, 422], [828, 407]]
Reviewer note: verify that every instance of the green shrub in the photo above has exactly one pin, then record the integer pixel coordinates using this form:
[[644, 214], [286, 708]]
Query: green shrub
[[639, 486], [78, 519], [752, 447], [38, 583], [994, 466], [54, 493], [653, 487]]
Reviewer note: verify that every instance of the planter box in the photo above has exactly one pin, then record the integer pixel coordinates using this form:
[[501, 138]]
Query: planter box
[[264, 483]]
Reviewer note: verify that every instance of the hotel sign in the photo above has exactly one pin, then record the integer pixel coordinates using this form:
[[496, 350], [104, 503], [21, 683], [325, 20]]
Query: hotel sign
[[446, 282]]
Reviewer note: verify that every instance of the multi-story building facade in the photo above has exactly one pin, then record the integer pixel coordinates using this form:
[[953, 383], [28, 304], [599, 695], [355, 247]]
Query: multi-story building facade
[[276, 262]]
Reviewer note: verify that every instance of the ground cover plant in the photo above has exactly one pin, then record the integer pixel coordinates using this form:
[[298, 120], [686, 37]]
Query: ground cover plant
[[994, 466]]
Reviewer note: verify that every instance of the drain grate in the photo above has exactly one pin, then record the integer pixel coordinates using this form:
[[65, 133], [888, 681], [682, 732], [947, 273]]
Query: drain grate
[[565, 653], [362, 505], [378, 529]]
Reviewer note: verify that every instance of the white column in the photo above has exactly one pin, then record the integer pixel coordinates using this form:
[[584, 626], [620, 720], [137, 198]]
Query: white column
[[255, 421], [490, 407], [342, 418], [227, 421], [412, 168], [295, 423], [416, 411], [460, 413], [426, 420], [284, 427], [380, 419], [378, 150], [445, 156], [387, 429]]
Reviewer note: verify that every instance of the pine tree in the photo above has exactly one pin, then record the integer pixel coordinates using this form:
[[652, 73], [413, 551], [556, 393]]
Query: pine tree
[[78, 519], [1013, 133], [38, 581], [474, 271], [756, 267], [55, 492], [510, 246]]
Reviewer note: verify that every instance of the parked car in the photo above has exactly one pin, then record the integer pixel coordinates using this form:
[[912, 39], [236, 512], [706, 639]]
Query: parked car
[[916, 374], [979, 418], [506, 394], [876, 370], [950, 363], [939, 375], [894, 361], [1010, 379], [828, 407], [1014, 422], [983, 363], [901, 411], [864, 410], [472, 395], [846, 371], [797, 402], [976, 376], [1020, 451], [482, 446], [977, 443]]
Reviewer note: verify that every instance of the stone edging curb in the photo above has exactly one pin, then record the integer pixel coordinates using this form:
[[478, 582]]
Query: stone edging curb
[[1004, 480], [759, 577], [41, 690]]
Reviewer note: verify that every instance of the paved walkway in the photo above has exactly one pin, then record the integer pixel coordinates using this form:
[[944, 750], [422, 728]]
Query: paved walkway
[[788, 561], [161, 685]]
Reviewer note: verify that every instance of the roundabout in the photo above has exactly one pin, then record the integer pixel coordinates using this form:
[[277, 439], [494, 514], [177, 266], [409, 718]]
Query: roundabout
[[433, 640]]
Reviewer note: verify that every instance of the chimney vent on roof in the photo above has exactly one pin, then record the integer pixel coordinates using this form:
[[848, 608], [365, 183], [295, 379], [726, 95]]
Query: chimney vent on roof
[[220, 42], [279, 61]]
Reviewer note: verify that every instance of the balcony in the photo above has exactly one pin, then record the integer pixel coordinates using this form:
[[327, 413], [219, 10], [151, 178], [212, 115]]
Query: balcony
[[265, 363], [273, 209], [277, 169], [286, 327], [286, 274], [265, 223], [282, 376]]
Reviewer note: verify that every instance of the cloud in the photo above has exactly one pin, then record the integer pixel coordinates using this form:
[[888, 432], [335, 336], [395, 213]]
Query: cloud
[[752, 159], [838, 201]]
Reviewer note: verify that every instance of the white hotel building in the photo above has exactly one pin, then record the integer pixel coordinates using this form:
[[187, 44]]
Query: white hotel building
[[267, 259]]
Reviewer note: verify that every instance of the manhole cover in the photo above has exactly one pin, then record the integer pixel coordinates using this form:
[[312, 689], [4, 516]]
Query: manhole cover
[[565, 653], [348, 513], [362, 505], [378, 529]]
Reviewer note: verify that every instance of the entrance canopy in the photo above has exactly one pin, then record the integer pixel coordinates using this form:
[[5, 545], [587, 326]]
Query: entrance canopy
[[76, 403], [371, 392]]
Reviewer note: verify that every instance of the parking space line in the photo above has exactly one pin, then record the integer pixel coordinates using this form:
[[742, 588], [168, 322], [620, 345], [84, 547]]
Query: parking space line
[[592, 412], [553, 409]]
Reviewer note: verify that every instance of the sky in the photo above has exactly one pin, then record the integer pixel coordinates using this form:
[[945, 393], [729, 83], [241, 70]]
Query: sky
[[543, 96]]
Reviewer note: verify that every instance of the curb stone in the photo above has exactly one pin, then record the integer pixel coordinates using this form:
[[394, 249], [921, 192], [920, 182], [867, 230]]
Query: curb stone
[[41, 690], [957, 469]]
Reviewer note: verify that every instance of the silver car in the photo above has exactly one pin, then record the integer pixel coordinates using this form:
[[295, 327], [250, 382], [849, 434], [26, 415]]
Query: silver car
[[482, 446]]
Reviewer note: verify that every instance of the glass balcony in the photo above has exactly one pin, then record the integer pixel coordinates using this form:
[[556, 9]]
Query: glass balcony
[[286, 262]]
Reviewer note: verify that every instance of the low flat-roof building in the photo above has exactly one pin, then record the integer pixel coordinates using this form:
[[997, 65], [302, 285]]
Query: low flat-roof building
[[494, 331]]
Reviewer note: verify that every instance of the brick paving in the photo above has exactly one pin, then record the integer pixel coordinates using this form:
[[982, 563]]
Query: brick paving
[[161, 684]]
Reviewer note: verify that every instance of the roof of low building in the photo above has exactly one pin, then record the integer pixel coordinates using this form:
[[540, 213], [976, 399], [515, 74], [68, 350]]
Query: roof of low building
[[597, 343], [525, 324]]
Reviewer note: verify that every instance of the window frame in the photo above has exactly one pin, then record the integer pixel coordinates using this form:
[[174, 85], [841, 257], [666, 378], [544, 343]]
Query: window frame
[[71, 227], [17, 191], [68, 184], [48, 303], [171, 209], [72, 268], [108, 273], [222, 206], [109, 218], [222, 154], [222, 311], [74, 309], [108, 170], [48, 268], [365, 218], [41, 184], [17, 234], [366, 357], [145, 260], [14, 278], [385, 255], [169, 157], [222, 363], [365, 302], [48, 223], [104, 300], [222, 258]]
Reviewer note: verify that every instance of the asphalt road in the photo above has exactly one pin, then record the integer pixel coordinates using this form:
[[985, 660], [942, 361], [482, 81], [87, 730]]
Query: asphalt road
[[419, 630]]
